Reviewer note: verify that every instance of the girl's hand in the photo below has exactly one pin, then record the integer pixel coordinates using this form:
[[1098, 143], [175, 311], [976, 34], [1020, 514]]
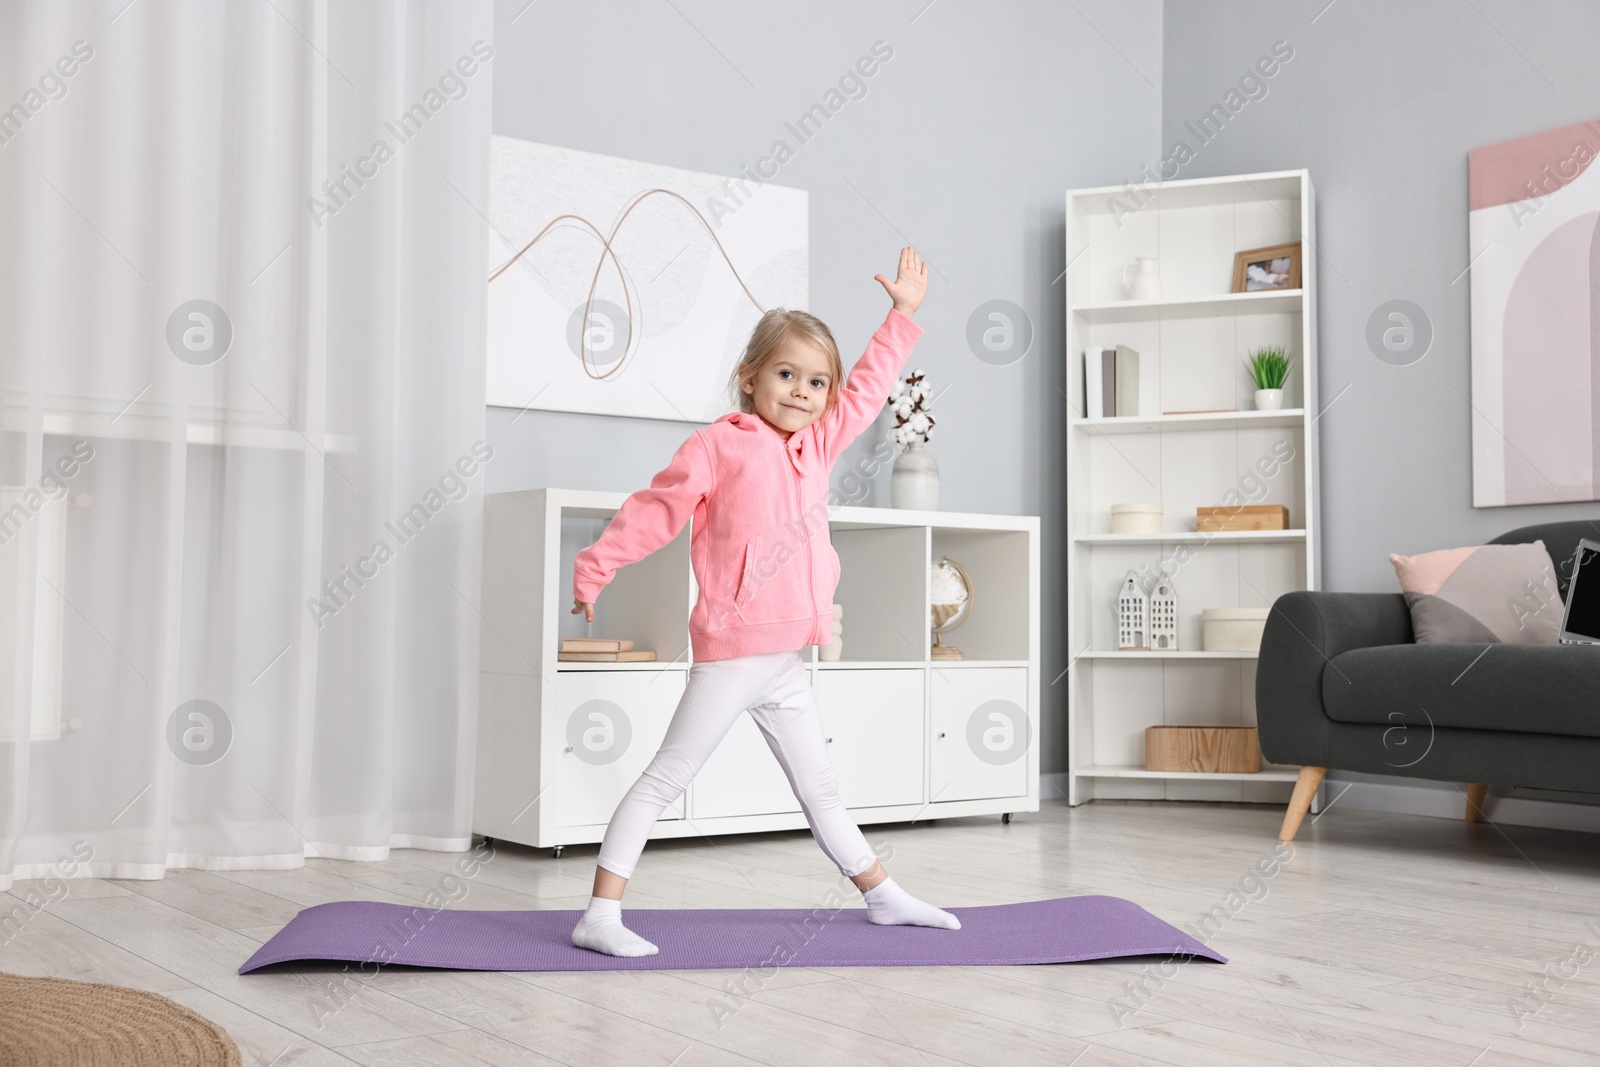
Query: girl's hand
[[585, 607], [909, 285]]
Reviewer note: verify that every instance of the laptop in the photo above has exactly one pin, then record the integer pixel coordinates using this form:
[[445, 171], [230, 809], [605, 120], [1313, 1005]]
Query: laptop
[[1580, 625]]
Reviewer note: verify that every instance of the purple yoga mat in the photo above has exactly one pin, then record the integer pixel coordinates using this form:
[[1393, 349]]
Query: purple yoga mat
[[1062, 930]]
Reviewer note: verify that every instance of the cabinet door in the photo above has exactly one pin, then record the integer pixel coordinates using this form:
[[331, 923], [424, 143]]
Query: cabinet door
[[874, 720], [608, 724], [980, 733], [742, 777]]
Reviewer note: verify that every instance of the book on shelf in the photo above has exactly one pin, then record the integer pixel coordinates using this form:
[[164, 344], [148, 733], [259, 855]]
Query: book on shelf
[[1100, 383], [1126, 393], [637, 656], [1094, 379], [596, 644]]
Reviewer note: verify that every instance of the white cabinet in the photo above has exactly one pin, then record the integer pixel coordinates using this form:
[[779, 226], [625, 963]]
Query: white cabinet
[[981, 733], [742, 777], [610, 726], [559, 743], [872, 724], [872, 727]]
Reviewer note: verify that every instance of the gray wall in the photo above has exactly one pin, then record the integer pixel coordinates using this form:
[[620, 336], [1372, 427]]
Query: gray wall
[[1382, 101], [963, 146]]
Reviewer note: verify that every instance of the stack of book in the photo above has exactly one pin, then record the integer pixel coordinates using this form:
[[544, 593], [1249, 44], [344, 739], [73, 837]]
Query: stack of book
[[1110, 382], [601, 650]]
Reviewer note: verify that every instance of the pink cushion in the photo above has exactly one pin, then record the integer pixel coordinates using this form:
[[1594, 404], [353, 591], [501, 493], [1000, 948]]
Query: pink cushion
[[1483, 593]]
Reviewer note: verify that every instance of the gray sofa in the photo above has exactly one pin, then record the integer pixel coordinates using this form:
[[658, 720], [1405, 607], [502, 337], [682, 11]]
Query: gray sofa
[[1342, 684]]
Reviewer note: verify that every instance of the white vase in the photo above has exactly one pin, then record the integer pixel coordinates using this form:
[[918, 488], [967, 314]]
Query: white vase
[[914, 485], [1146, 279], [1269, 399]]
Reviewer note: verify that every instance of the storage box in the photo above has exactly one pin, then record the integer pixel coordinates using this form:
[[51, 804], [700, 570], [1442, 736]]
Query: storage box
[[1208, 749], [1232, 629], [1247, 517], [1136, 518]]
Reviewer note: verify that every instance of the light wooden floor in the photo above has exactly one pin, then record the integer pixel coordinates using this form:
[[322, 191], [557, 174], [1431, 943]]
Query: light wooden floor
[[1384, 939]]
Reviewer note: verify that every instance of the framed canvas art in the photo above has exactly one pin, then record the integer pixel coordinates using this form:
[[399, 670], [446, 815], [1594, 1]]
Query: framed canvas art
[[618, 287], [1534, 236]]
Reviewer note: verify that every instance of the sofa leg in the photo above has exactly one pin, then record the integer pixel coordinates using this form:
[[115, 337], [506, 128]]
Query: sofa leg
[[1304, 789], [1475, 794]]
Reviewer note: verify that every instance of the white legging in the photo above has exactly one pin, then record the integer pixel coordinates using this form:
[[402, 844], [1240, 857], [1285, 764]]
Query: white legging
[[774, 689]]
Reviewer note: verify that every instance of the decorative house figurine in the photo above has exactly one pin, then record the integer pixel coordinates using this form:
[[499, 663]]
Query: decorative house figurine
[[1164, 616], [1133, 615]]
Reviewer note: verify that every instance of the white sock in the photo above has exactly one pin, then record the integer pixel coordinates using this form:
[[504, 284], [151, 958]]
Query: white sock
[[889, 905], [601, 930]]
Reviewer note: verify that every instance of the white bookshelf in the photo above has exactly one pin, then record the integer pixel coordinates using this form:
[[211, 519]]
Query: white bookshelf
[[900, 726], [1192, 345]]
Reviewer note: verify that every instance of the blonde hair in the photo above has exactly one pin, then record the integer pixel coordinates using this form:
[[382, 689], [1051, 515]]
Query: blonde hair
[[768, 336]]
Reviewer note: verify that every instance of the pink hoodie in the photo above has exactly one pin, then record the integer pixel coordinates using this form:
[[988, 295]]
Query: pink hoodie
[[763, 562]]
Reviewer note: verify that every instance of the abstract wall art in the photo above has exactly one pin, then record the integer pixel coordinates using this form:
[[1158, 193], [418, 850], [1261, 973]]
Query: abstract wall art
[[1534, 235], [618, 287]]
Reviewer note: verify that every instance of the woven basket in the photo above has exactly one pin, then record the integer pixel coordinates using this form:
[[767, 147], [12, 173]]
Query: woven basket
[[54, 1022]]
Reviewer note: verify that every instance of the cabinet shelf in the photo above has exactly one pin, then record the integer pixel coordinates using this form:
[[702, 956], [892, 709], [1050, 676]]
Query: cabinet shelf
[[959, 664], [1192, 537], [1210, 420], [1266, 774], [866, 664], [647, 665], [1153, 654], [820, 664], [1273, 301]]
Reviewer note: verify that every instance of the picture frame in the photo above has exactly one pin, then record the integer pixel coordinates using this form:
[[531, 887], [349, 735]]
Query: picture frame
[[1263, 260]]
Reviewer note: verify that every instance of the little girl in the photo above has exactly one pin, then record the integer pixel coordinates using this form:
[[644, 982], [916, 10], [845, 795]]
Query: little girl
[[756, 484]]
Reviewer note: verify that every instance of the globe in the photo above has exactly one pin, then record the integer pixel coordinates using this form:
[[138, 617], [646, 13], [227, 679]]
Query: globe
[[950, 601]]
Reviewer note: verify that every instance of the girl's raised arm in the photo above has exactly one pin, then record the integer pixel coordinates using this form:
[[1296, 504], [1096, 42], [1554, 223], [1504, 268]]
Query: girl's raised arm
[[866, 389]]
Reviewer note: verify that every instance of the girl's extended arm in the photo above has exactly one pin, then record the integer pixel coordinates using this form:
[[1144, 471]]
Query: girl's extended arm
[[866, 389], [646, 520]]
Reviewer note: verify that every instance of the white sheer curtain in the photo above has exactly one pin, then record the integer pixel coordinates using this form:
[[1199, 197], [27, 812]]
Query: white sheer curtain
[[241, 458]]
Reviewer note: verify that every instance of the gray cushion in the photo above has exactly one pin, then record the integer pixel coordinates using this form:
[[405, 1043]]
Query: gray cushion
[[1545, 689]]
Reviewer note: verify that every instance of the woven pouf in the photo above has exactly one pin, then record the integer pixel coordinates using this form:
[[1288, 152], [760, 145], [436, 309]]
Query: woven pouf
[[56, 1022]]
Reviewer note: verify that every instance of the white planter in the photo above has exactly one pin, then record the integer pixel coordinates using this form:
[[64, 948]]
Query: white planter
[[1269, 399], [914, 485]]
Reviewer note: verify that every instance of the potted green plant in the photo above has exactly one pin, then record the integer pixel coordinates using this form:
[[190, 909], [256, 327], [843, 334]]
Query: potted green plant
[[1269, 368]]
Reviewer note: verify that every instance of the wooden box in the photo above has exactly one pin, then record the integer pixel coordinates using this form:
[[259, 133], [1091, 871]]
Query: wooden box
[[1226, 749], [1247, 517]]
